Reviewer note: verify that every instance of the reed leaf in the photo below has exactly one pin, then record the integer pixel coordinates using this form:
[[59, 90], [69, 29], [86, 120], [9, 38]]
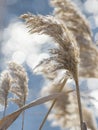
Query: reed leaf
[[9, 119]]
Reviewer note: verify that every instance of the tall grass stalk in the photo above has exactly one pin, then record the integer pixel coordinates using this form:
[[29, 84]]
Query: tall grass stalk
[[66, 56], [79, 104], [52, 105]]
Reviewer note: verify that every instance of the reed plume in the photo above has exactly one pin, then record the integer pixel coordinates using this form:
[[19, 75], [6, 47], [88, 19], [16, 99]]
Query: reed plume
[[64, 113], [59, 82], [19, 85], [72, 18], [5, 84], [66, 55]]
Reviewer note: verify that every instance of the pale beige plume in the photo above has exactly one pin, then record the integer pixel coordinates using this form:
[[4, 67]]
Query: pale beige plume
[[19, 85], [5, 85], [74, 20], [65, 111]]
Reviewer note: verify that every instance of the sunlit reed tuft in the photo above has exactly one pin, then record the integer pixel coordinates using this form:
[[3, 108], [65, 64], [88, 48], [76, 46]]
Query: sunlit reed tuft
[[19, 85], [5, 84], [64, 114], [75, 21], [66, 55]]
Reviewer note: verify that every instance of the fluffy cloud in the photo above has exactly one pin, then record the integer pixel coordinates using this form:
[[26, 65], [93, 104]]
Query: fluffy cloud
[[91, 6], [20, 46]]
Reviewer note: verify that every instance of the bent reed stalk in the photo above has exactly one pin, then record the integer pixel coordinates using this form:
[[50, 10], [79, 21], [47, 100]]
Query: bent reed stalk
[[66, 56]]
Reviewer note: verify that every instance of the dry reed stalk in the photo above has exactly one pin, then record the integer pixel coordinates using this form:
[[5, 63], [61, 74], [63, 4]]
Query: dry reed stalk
[[19, 85], [60, 85], [64, 113], [69, 14], [5, 84], [66, 56]]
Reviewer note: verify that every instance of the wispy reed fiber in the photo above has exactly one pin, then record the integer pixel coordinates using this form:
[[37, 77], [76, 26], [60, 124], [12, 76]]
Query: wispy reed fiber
[[66, 55], [59, 83], [69, 14], [64, 114], [19, 85], [5, 84]]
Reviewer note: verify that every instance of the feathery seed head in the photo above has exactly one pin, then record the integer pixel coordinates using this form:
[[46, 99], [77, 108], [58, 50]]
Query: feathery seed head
[[65, 111], [5, 84], [19, 84], [66, 54], [67, 11], [72, 18]]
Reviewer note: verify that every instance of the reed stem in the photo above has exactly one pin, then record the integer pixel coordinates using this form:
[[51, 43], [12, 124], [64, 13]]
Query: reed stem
[[79, 104], [52, 105]]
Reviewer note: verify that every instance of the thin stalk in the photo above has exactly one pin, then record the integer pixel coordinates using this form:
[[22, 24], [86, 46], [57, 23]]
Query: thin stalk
[[5, 106], [23, 115], [46, 116], [52, 105], [79, 104], [4, 112], [84, 127]]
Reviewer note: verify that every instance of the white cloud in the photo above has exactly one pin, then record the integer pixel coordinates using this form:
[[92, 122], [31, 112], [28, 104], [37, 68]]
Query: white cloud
[[92, 83], [94, 99], [1, 108], [19, 56], [91, 6], [96, 20], [96, 37], [91, 20], [20, 46]]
